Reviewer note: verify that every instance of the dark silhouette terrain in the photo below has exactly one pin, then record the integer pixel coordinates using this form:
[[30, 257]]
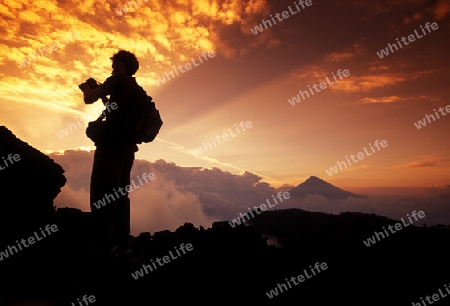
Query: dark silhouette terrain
[[28, 186], [226, 265]]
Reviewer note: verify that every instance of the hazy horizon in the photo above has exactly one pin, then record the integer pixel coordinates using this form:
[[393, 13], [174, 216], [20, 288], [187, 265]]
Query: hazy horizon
[[201, 196]]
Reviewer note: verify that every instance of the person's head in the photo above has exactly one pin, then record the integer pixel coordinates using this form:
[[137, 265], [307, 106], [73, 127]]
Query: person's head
[[126, 62]]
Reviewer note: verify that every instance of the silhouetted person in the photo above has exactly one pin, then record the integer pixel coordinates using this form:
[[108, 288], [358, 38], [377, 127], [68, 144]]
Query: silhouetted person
[[114, 156]]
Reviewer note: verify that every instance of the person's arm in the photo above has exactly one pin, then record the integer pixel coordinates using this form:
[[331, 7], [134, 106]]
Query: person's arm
[[92, 95], [102, 90]]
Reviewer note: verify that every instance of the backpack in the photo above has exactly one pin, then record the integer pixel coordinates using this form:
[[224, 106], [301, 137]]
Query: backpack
[[144, 119]]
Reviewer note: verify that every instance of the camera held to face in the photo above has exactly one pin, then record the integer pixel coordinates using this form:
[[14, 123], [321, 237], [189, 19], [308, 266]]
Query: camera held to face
[[90, 83]]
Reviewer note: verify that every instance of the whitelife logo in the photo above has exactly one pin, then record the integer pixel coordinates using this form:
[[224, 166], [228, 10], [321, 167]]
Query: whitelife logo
[[86, 300], [371, 241], [285, 15], [122, 10], [436, 297], [166, 259], [110, 197], [11, 250], [360, 156], [74, 127], [297, 280], [225, 136], [262, 207], [322, 85], [411, 38], [170, 75], [11, 159], [48, 49], [423, 122]]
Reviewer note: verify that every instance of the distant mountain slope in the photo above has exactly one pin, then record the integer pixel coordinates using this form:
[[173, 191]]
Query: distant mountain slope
[[315, 185], [288, 224]]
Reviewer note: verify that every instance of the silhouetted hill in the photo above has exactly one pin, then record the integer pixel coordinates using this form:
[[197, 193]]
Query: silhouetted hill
[[29, 182], [236, 264], [292, 225], [315, 185], [219, 265], [445, 196]]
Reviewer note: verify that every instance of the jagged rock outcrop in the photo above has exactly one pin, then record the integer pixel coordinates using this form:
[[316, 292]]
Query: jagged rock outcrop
[[29, 182]]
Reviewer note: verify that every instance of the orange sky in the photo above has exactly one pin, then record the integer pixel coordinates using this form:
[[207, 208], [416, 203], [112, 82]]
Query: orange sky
[[250, 79]]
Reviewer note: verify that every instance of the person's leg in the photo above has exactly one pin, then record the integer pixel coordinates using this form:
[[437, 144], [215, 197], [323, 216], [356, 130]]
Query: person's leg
[[122, 218], [103, 201]]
